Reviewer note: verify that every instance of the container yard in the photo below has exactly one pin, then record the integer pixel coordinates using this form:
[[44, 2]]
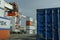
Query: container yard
[[29, 19], [11, 27]]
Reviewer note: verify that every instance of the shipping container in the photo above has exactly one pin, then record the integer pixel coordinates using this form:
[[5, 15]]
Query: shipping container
[[30, 28], [2, 12], [13, 24], [4, 28], [2, 3], [48, 24], [2, 9]]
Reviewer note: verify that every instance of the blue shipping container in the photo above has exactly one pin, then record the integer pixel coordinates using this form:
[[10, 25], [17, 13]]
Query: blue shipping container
[[48, 24]]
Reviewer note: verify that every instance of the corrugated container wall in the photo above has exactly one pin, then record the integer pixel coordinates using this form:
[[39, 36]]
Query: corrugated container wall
[[48, 23]]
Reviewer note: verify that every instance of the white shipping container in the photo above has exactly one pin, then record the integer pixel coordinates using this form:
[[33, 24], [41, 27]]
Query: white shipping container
[[4, 23], [31, 32], [2, 13], [13, 23], [2, 3], [8, 5], [29, 19], [31, 27]]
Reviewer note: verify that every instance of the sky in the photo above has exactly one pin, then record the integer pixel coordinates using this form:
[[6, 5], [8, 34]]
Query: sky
[[29, 7]]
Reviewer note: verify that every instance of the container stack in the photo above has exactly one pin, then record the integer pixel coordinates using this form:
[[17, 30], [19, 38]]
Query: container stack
[[4, 28], [29, 25], [2, 8], [4, 22]]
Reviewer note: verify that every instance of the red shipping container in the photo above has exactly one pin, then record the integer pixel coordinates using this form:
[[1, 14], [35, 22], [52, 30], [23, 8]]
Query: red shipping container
[[12, 14], [29, 23]]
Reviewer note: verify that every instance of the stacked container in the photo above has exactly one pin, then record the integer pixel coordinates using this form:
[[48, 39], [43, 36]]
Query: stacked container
[[4, 28], [29, 25], [4, 22], [2, 8], [48, 21]]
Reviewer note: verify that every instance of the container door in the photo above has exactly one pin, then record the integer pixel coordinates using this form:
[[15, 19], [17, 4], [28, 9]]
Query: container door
[[49, 24], [59, 23], [41, 24], [55, 23]]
